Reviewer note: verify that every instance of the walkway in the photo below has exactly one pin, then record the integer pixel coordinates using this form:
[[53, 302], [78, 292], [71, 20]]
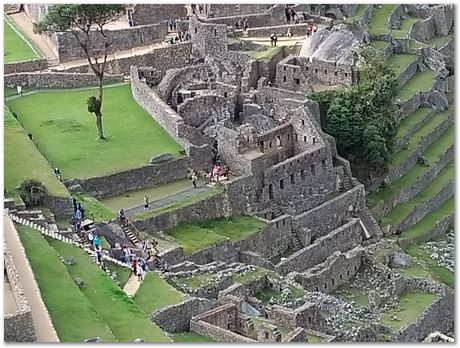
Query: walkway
[[132, 285], [176, 197], [23, 22], [42, 322]]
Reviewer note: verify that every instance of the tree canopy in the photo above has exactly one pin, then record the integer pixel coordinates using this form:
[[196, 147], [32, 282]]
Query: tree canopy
[[361, 118]]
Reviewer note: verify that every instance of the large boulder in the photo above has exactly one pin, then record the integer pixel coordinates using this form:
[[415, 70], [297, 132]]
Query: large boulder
[[161, 158], [399, 260]]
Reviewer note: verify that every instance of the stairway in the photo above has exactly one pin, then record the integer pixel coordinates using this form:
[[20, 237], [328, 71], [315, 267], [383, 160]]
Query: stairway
[[211, 76], [370, 225], [129, 233], [276, 212], [296, 244]]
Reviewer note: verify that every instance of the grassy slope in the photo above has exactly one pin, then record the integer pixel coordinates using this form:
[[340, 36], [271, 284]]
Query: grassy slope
[[266, 54], [122, 273], [411, 120], [155, 293], [439, 41], [22, 160], [400, 62], [197, 236], [190, 337], [379, 21], [74, 317], [58, 118], [125, 319], [420, 82], [15, 48], [406, 24]]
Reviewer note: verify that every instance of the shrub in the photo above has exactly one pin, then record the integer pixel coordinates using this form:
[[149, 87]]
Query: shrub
[[33, 192]]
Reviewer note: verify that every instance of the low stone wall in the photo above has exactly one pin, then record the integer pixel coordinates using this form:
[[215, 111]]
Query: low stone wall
[[209, 208], [57, 80], [145, 14], [439, 316], [409, 106], [225, 251], [60, 206], [443, 15], [279, 30], [134, 179], [398, 171], [423, 30], [410, 71], [18, 326], [297, 335], [423, 209], [67, 48], [177, 318], [217, 333], [341, 239], [252, 258], [27, 66], [439, 229], [400, 142]]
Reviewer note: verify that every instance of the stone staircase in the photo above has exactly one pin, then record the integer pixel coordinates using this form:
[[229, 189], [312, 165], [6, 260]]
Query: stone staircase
[[276, 212], [128, 230], [296, 244], [349, 182], [11, 8]]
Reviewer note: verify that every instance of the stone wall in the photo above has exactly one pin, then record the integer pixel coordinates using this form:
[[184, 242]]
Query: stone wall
[[36, 11], [134, 179], [145, 14], [60, 206], [338, 269], [279, 30], [402, 141], [410, 71], [443, 15], [18, 326], [57, 80], [209, 208], [208, 39], [436, 231], [177, 318], [67, 48], [26, 66], [395, 17], [305, 316], [341, 239], [409, 106], [423, 30], [217, 333], [337, 210], [226, 10], [439, 316], [296, 335]]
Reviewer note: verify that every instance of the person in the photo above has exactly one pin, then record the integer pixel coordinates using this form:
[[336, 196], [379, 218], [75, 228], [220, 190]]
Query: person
[[143, 264], [193, 8], [171, 40], [146, 202], [74, 201], [275, 39], [287, 13], [30, 136], [272, 36], [99, 255], [15, 115], [296, 18], [201, 9], [122, 217], [127, 254], [246, 26], [78, 218], [139, 271], [19, 89], [82, 210], [57, 172], [134, 266], [90, 237], [237, 25], [316, 29], [170, 25], [288, 32], [96, 241], [304, 14], [225, 171], [194, 179]]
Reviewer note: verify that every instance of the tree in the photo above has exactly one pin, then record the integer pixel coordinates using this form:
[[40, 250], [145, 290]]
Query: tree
[[87, 24], [32, 192], [361, 118]]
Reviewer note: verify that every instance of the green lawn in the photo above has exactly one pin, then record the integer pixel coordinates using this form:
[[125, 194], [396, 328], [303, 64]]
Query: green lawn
[[196, 236], [266, 54], [122, 273], [441, 274], [124, 317], [155, 293], [401, 62], [407, 123], [422, 81], [74, 317], [416, 44], [412, 306], [22, 160], [437, 42], [379, 45], [135, 198], [401, 211], [379, 21], [15, 48], [429, 221], [190, 337], [215, 190], [94, 208], [416, 137], [406, 24], [432, 154], [63, 127]]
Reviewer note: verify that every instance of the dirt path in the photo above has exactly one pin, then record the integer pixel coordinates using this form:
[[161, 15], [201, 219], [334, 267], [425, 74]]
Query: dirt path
[[26, 26], [42, 322], [132, 285]]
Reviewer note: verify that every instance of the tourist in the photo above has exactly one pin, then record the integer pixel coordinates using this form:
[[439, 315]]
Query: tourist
[[82, 210], [96, 241], [171, 40], [275, 39], [288, 32], [143, 264], [74, 201], [296, 18], [127, 254], [15, 115], [201, 9], [246, 26], [57, 172], [19, 89], [304, 14], [146, 202], [194, 177], [193, 8], [225, 172], [30, 136], [139, 271], [90, 237], [122, 217], [237, 25], [134, 266], [78, 217], [287, 12], [170, 22], [174, 24], [99, 255], [316, 29]]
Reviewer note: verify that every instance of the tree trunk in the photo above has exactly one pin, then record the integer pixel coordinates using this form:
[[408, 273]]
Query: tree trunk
[[100, 131]]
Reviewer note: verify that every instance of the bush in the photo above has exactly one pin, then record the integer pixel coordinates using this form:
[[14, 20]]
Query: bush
[[33, 192], [80, 282]]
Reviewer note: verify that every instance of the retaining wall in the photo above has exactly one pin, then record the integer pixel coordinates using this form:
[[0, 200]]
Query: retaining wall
[[27, 66], [423, 30]]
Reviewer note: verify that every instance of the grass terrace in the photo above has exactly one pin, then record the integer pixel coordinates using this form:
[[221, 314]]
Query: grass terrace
[[429, 221], [155, 293], [15, 48], [22, 160], [122, 273], [60, 117], [378, 24], [358, 14], [379, 45], [401, 211], [72, 313], [422, 132], [412, 306], [190, 337], [123, 317], [438, 42], [406, 24], [401, 62], [432, 154], [201, 196], [266, 54], [408, 123], [422, 81], [196, 236], [416, 44], [94, 208]]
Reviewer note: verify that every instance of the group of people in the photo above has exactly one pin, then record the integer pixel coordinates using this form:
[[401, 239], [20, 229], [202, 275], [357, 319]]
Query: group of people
[[139, 267], [181, 36], [311, 29], [78, 215], [200, 9], [242, 24], [291, 15]]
